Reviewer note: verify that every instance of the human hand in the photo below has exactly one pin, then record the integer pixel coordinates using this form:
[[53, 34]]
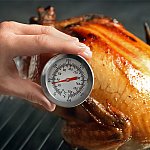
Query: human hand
[[18, 39]]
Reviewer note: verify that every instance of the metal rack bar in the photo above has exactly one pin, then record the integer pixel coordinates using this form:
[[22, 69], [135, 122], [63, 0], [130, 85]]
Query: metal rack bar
[[8, 119], [59, 146], [48, 135], [15, 131], [29, 136]]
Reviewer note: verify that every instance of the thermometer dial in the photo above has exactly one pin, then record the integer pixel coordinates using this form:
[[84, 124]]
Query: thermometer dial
[[67, 80]]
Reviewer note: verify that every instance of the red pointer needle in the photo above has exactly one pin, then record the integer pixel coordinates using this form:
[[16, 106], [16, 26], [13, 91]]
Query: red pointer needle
[[66, 80]]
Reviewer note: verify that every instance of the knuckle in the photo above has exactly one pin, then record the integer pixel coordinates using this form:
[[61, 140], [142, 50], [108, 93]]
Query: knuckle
[[29, 96], [4, 24], [2, 37], [46, 29], [7, 39], [7, 24], [51, 28], [41, 39]]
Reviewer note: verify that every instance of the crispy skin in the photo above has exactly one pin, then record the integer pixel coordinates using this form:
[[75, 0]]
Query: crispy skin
[[121, 65]]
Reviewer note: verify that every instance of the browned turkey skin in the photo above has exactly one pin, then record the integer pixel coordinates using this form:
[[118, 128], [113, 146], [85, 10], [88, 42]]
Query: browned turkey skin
[[118, 109]]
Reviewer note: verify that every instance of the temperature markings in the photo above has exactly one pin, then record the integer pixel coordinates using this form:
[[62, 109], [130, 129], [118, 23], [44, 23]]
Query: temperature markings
[[59, 73], [78, 83], [64, 93], [57, 90], [69, 80], [55, 66], [68, 61], [53, 74], [50, 80], [81, 66], [82, 94], [69, 97], [71, 69], [54, 94], [64, 69], [58, 85], [75, 72], [83, 80], [69, 100], [75, 88]]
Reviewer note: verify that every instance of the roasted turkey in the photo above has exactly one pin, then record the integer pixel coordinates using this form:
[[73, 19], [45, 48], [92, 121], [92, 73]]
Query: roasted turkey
[[117, 113]]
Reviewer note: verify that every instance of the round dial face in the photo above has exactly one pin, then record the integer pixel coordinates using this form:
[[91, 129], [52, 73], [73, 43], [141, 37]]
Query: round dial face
[[67, 80]]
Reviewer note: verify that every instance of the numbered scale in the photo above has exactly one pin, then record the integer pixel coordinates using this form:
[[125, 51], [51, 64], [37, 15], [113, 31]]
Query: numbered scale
[[67, 80]]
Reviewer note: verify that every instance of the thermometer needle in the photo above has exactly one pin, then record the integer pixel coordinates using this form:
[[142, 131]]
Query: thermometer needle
[[66, 80]]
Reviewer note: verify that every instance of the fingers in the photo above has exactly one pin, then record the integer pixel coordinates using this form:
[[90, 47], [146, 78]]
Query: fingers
[[37, 44], [34, 94], [26, 29], [28, 90], [23, 39]]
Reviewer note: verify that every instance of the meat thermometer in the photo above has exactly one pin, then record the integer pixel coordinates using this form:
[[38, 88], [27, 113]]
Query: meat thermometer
[[67, 80]]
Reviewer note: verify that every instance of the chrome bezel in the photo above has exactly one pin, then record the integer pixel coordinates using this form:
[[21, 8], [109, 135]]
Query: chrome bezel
[[44, 77]]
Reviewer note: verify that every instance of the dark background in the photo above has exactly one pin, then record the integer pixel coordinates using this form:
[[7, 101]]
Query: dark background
[[25, 127], [131, 13]]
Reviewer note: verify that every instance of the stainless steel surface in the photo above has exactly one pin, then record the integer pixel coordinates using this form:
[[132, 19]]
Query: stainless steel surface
[[85, 73], [25, 127]]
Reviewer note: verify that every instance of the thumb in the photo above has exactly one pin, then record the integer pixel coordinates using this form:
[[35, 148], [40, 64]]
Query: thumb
[[30, 91]]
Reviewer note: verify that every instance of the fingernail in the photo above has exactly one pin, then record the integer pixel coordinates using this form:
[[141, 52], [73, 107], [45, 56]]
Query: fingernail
[[86, 52], [51, 107], [82, 46], [74, 39]]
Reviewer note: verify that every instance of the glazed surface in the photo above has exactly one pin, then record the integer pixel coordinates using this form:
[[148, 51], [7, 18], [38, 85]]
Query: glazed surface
[[121, 65]]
